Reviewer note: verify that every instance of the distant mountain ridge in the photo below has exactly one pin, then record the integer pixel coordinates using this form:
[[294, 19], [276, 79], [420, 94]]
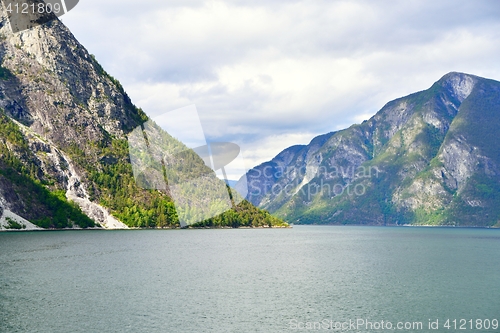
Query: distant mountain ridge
[[430, 158]]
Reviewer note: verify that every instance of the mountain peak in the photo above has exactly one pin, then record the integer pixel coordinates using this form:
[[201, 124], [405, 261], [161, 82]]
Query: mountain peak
[[426, 158], [459, 84]]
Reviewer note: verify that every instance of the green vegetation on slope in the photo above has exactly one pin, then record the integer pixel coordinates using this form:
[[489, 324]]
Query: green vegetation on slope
[[114, 186], [52, 208], [243, 215]]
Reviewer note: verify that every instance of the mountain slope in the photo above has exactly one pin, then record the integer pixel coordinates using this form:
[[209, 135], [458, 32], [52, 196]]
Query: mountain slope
[[64, 157], [428, 158]]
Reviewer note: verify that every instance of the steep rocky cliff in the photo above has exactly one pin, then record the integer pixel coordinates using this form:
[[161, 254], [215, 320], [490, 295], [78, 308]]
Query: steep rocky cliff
[[430, 158], [57, 98], [64, 157]]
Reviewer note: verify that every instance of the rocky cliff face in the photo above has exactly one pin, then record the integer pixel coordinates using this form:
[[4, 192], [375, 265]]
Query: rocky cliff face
[[429, 158], [64, 155], [59, 97]]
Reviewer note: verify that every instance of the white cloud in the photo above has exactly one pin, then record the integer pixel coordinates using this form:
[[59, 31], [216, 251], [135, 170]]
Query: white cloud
[[260, 72]]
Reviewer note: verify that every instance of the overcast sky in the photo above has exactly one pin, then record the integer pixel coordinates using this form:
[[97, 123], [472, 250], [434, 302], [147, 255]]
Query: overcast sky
[[271, 74]]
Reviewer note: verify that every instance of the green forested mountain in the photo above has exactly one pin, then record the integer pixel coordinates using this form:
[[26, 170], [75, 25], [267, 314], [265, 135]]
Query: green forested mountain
[[64, 155], [430, 158]]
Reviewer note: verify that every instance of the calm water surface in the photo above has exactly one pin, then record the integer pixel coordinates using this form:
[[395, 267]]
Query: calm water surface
[[245, 280]]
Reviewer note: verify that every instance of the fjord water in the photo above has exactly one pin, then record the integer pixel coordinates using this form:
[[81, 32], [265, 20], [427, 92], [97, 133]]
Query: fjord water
[[245, 280]]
